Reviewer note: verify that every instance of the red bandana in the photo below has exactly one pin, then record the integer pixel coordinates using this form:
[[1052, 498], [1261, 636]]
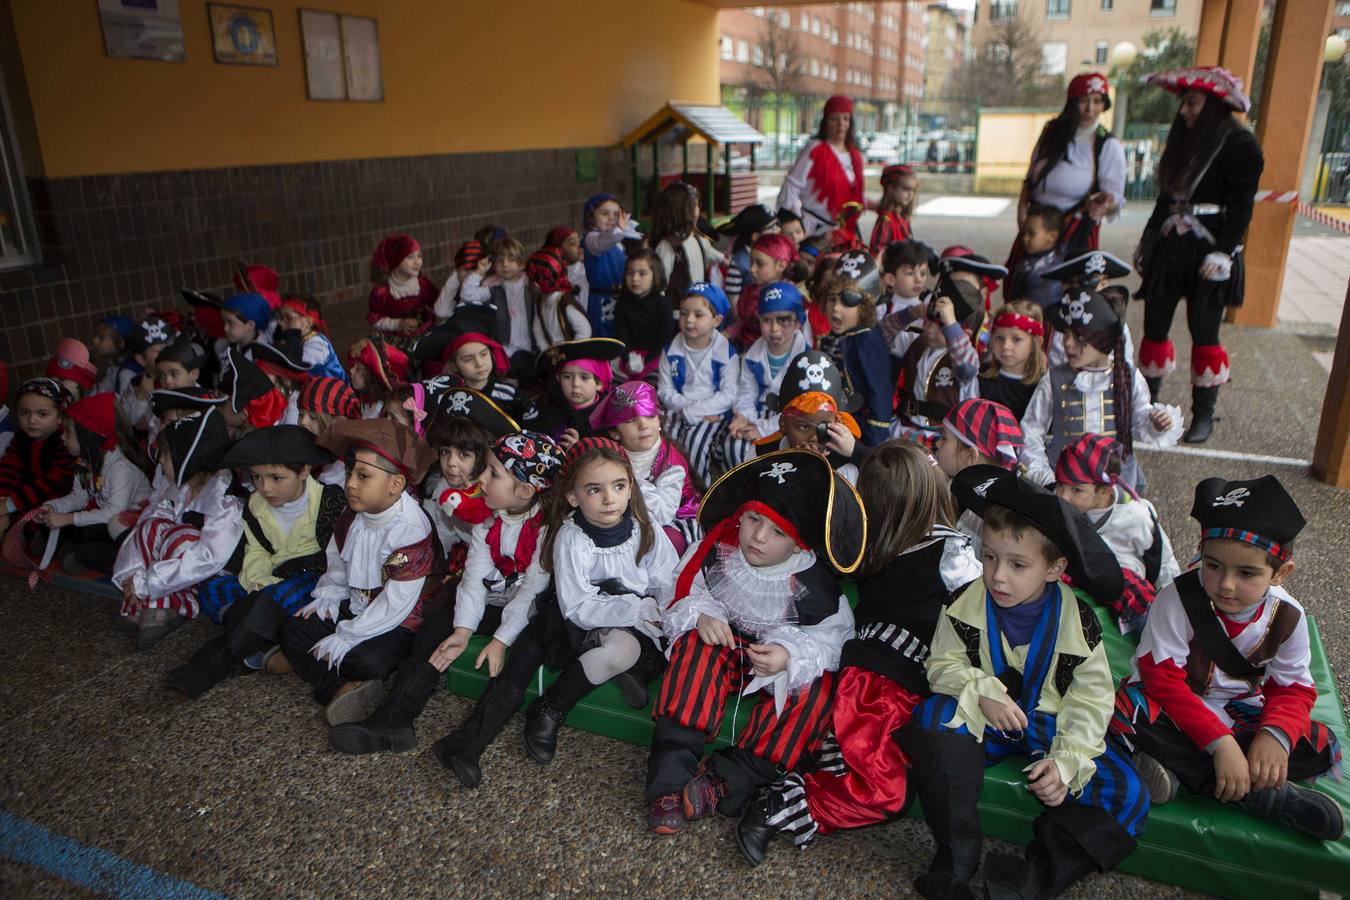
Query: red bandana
[[1018, 321], [511, 566]]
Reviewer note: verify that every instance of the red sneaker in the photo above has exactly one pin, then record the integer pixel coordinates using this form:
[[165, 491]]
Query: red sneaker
[[666, 814], [702, 794]]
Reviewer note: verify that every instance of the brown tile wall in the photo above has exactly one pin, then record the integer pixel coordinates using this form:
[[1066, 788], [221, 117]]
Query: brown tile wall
[[124, 243]]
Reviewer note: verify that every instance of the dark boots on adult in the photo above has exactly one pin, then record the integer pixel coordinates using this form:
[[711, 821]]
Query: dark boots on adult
[[947, 773], [1299, 808], [1203, 401], [1154, 387], [208, 667], [390, 726], [1072, 841], [545, 716], [460, 750]]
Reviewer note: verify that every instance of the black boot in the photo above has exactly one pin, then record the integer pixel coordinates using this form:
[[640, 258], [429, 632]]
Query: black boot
[[1304, 810], [1072, 842], [546, 714], [753, 831], [208, 667], [252, 624], [461, 749], [390, 727], [948, 771], [1203, 400], [1154, 387]]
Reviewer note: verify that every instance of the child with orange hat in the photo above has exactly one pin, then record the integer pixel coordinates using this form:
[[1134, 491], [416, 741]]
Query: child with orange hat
[[71, 366]]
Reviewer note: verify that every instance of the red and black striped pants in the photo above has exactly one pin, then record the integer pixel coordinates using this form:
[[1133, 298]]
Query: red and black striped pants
[[689, 711]]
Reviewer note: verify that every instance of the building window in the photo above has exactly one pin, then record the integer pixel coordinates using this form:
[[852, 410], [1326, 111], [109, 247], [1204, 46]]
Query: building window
[[1108, 5], [785, 18], [1103, 48], [815, 24], [997, 51], [1000, 10], [742, 51], [1342, 9], [759, 55], [1057, 9], [728, 47], [1162, 7], [1054, 57]]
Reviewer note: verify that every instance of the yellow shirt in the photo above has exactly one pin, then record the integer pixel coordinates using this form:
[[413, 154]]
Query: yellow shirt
[[1081, 713], [256, 572]]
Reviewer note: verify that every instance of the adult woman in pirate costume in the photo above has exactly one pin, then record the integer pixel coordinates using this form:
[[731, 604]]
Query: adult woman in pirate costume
[[828, 173], [1192, 245], [1078, 167]]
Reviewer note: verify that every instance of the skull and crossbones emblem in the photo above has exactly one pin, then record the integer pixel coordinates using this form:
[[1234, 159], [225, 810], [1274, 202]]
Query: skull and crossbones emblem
[[813, 374], [1235, 497], [778, 471], [1078, 309], [983, 487], [156, 331], [850, 266], [943, 378], [458, 402], [1096, 86], [1096, 264]]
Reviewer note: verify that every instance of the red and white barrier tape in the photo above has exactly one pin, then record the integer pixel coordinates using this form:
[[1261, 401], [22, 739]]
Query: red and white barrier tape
[[1276, 197], [1317, 216]]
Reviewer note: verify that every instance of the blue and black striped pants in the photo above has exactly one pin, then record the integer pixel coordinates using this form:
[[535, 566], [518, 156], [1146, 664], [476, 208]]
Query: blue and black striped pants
[[214, 595]]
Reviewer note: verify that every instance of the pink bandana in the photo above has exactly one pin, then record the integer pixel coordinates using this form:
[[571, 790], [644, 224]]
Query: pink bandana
[[624, 404]]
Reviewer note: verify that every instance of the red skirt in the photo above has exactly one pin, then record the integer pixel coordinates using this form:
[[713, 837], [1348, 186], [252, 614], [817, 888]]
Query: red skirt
[[868, 709]]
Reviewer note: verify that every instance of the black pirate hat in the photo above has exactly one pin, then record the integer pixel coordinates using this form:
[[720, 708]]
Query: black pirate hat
[[195, 443], [597, 348], [1092, 565], [750, 220], [186, 351], [280, 445], [477, 407], [198, 299], [1087, 268], [800, 487], [242, 380], [813, 370], [1258, 512], [199, 399], [1088, 312], [967, 300], [284, 357], [859, 267]]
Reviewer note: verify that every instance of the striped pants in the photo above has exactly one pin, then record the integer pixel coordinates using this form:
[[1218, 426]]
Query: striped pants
[[1115, 787], [159, 538], [702, 443], [689, 709], [736, 451], [215, 595]]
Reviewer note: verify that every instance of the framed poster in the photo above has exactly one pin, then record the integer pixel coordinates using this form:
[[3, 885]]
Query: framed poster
[[361, 43], [325, 73], [142, 29], [242, 35]]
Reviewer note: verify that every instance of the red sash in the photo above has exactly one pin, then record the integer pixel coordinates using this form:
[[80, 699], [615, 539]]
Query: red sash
[[514, 565], [830, 181]]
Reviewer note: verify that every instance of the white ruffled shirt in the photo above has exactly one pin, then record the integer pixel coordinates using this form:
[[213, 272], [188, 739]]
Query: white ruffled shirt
[[662, 494], [358, 571], [483, 584], [1128, 531], [760, 601], [121, 486]]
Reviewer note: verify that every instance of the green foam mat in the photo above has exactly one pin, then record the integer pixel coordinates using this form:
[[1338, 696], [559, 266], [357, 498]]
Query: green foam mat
[[1193, 842]]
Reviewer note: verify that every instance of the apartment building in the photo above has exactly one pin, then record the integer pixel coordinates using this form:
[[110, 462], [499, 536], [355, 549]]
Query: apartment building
[[946, 48]]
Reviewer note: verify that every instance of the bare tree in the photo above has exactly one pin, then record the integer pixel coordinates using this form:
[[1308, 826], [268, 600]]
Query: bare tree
[[1007, 70], [782, 71]]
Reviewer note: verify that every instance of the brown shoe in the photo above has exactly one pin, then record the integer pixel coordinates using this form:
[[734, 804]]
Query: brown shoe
[[276, 663], [354, 702]]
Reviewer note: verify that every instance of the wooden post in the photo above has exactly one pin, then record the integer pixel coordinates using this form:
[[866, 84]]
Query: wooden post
[[1241, 34], [1331, 456], [1288, 96], [1209, 40]]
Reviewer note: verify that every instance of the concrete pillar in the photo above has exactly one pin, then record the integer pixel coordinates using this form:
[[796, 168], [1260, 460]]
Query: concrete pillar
[[1331, 455], [1209, 41], [1293, 71]]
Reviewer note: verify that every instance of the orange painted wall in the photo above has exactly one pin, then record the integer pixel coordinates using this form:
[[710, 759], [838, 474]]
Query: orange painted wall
[[458, 77]]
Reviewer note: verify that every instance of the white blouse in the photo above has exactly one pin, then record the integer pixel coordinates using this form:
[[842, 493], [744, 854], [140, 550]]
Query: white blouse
[[122, 487]]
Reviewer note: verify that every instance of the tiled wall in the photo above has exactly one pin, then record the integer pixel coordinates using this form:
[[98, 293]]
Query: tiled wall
[[122, 243]]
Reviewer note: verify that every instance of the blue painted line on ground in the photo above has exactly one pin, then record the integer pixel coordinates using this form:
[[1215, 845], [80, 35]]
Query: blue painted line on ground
[[89, 867]]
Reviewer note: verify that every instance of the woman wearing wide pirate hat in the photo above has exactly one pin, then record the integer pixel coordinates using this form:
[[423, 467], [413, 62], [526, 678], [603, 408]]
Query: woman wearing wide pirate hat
[[1192, 246]]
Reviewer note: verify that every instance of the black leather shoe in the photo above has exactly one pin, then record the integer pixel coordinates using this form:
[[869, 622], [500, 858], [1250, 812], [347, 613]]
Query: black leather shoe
[[542, 723], [753, 831]]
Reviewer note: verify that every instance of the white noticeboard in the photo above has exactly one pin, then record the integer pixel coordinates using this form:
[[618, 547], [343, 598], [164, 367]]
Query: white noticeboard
[[142, 29], [342, 56]]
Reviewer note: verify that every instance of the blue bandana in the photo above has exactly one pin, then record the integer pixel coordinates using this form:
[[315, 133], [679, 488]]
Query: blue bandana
[[253, 307], [780, 297], [716, 297]]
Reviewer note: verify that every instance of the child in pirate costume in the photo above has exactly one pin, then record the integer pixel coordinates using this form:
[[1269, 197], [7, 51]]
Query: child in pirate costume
[[1086, 273], [577, 374], [381, 561], [287, 524], [301, 313], [477, 362], [631, 415], [503, 562], [282, 361], [36, 466], [856, 344], [401, 298], [151, 335], [1087, 477], [254, 401], [977, 432], [185, 538], [606, 226], [1220, 695], [756, 607], [938, 365], [558, 316], [1018, 666], [699, 375], [782, 311], [375, 368], [861, 776], [1096, 391], [815, 412], [320, 403], [473, 597]]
